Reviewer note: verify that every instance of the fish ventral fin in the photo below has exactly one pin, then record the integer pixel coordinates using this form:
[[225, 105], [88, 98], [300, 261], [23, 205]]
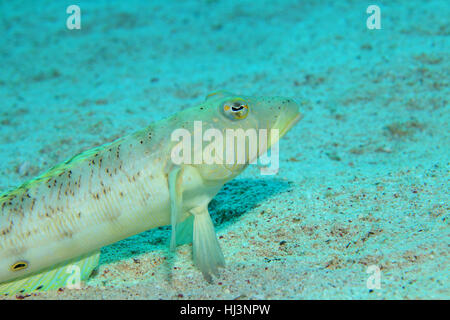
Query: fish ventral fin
[[185, 231], [208, 256], [219, 94], [62, 275], [176, 200]]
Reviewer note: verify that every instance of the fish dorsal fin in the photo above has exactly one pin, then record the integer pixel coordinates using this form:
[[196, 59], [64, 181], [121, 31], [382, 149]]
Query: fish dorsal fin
[[185, 231], [58, 276]]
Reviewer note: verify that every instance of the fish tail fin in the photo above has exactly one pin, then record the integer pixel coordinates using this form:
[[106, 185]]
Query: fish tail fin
[[65, 274], [208, 256]]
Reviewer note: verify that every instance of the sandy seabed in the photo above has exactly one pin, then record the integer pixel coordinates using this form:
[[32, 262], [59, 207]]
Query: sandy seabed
[[363, 179]]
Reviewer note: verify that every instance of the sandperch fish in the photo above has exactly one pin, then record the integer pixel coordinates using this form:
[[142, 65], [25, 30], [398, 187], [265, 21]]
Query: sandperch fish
[[63, 217]]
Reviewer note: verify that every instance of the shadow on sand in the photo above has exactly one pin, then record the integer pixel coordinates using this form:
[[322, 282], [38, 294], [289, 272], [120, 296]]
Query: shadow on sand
[[235, 199]]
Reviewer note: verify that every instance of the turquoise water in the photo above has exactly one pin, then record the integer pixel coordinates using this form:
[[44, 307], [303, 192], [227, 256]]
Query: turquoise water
[[363, 179]]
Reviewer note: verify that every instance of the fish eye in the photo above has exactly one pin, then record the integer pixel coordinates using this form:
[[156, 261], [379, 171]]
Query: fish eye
[[236, 109]]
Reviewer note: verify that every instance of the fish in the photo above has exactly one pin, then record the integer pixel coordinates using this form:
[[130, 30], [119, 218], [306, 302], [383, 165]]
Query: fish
[[58, 222]]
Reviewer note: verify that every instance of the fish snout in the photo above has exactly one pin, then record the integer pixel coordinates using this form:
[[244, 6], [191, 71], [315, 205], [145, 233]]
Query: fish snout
[[289, 116]]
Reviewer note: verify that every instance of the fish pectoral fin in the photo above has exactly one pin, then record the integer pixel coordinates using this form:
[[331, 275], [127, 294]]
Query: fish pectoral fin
[[66, 274], [176, 201], [208, 256]]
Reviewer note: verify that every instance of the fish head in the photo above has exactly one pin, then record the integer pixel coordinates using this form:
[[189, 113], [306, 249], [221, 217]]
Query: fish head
[[235, 130]]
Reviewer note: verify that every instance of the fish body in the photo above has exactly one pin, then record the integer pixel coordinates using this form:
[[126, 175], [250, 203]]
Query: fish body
[[120, 189]]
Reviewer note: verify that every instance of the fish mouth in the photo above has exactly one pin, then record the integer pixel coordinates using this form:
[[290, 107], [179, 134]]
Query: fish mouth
[[292, 123]]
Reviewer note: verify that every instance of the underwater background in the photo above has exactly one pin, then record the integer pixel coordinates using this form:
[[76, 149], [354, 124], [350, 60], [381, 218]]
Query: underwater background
[[364, 176]]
